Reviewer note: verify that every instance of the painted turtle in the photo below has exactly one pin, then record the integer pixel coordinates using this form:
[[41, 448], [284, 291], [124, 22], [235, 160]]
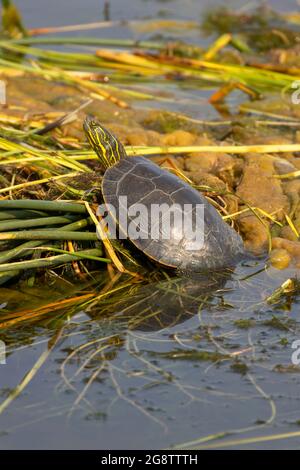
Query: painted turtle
[[143, 182]]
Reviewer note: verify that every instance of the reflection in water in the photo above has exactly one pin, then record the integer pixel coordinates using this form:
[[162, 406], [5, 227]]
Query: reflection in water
[[180, 358], [166, 303], [148, 366]]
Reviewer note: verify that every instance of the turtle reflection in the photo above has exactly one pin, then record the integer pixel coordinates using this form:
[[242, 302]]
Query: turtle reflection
[[165, 303]]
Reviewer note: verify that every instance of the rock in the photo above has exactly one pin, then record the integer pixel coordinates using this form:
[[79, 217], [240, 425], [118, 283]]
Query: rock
[[209, 161], [200, 161], [291, 247], [203, 178], [280, 258], [292, 191], [283, 166], [259, 188], [255, 234], [179, 137], [287, 232]]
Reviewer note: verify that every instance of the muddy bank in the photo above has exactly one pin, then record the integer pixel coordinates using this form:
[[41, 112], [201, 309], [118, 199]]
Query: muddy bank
[[245, 188]]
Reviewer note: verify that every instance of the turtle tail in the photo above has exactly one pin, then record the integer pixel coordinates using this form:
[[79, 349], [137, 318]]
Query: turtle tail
[[108, 148]]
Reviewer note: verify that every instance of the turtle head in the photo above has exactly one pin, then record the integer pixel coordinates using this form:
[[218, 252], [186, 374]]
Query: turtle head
[[108, 148]]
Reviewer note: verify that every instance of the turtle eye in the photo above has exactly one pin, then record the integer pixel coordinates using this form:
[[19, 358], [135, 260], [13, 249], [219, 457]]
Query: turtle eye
[[94, 124]]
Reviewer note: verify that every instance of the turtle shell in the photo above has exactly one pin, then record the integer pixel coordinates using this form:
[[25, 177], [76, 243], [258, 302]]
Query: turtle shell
[[144, 182]]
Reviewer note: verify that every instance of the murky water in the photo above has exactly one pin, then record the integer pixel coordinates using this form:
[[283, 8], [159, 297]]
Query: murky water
[[173, 362], [40, 14], [156, 365]]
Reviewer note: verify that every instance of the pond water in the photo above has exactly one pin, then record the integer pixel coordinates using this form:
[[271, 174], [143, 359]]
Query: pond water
[[155, 366], [173, 362], [62, 12]]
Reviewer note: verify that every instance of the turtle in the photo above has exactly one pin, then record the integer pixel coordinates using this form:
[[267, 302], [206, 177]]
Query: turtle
[[143, 183]]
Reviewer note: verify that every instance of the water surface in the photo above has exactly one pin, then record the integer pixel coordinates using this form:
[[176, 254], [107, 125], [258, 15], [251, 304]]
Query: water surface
[[158, 364]]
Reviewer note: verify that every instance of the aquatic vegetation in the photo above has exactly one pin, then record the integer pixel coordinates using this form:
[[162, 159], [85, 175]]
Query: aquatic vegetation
[[102, 329], [262, 29]]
